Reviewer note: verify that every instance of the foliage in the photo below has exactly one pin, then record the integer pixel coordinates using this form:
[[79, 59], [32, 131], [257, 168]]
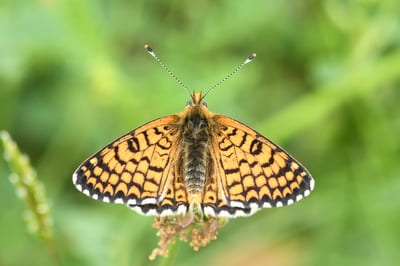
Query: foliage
[[325, 85]]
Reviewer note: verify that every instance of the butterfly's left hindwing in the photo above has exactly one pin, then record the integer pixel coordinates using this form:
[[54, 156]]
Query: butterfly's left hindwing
[[137, 170]]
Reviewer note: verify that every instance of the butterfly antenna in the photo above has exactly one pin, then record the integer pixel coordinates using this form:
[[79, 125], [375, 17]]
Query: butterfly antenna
[[151, 52], [248, 60]]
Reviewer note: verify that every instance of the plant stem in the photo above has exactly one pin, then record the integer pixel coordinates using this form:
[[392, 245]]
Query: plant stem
[[31, 190], [172, 251]]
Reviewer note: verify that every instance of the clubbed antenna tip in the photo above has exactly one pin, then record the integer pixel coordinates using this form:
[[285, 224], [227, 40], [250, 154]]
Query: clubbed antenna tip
[[148, 48], [248, 60]]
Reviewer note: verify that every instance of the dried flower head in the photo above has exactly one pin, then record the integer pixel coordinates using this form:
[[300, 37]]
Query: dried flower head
[[192, 226]]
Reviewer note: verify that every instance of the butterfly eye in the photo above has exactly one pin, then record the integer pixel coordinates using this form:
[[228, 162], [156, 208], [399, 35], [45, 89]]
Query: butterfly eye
[[205, 104], [188, 103]]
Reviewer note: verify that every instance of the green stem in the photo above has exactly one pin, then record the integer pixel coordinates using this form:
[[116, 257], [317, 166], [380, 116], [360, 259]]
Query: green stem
[[172, 251], [31, 190]]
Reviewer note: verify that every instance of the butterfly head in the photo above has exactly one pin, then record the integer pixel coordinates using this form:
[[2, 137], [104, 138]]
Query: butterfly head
[[197, 100]]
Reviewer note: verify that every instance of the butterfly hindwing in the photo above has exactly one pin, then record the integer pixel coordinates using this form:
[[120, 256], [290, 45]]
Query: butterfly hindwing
[[254, 172], [136, 169]]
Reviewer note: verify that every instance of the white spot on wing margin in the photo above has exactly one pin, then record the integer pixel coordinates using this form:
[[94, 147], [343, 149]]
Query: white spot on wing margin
[[181, 210], [236, 204], [166, 212], [267, 205], [74, 178], [138, 209], [119, 200], [86, 192], [148, 201], [312, 183], [131, 201], [209, 211]]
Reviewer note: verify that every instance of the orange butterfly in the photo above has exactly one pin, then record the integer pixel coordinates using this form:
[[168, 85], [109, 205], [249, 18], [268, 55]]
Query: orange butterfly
[[194, 160]]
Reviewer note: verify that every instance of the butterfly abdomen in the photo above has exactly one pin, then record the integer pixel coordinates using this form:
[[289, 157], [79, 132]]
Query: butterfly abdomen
[[195, 155]]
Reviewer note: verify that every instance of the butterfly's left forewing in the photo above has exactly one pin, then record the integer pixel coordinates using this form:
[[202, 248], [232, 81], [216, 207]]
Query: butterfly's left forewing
[[137, 170], [252, 172]]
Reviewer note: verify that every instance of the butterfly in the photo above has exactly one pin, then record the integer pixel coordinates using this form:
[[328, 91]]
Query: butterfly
[[194, 160]]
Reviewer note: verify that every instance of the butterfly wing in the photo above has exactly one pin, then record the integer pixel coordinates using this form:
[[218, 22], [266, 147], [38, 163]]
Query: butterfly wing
[[138, 170], [252, 172]]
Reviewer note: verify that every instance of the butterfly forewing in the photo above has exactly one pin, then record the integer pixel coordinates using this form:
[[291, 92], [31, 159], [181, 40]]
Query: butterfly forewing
[[138, 170], [252, 172]]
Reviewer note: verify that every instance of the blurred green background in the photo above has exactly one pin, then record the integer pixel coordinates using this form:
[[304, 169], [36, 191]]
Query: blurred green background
[[325, 85]]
